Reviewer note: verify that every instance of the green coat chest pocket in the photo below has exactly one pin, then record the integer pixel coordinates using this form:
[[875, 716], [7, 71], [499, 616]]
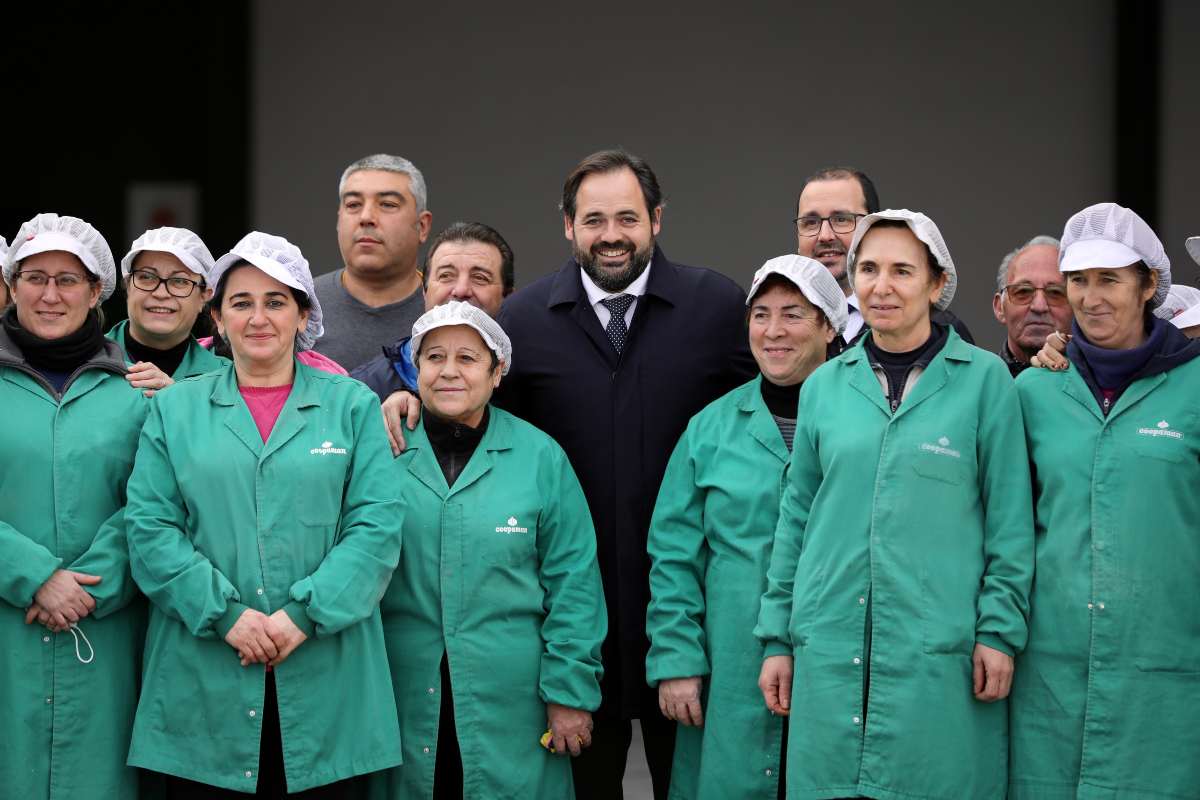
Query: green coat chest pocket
[[508, 540]]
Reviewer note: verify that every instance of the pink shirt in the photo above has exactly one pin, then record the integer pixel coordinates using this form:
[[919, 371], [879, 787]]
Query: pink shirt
[[265, 403]]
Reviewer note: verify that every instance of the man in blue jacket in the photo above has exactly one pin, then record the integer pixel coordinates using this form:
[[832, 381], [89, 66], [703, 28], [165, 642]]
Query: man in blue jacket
[[612, 355]]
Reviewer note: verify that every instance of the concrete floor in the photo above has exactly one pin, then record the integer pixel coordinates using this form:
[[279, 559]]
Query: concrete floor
[[637, 775]]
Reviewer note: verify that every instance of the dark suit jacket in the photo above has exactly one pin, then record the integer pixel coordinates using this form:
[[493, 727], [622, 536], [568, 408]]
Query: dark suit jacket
[[618, 418]]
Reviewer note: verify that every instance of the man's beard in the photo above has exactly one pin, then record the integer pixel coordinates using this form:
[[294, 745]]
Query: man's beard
[[608, 280]]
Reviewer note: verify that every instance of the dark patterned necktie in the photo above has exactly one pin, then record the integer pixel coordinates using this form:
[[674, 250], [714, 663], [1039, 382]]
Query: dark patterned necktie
[[617, 305]]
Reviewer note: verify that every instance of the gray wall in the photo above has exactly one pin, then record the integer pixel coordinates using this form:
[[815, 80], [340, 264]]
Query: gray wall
[[1179, 195], [996, 119]]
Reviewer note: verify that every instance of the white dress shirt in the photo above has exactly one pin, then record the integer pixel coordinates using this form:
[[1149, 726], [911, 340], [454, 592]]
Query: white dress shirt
[[596, 295], [855, 321]]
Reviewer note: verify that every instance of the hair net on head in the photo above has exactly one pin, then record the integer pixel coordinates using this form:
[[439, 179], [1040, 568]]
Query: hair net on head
[[4, 257], [1193, 247], [48, 232], [813, 280], [1179, 299], [926, 231], [459, 313], [1109, 235], [284, 262], [179, 242]]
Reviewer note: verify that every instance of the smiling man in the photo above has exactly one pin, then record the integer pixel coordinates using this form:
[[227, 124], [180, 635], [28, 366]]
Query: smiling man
[[612, 355], [382, 220]]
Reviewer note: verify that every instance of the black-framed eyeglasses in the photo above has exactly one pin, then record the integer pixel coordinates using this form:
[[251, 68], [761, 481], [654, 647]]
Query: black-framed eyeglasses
[[1022, 294], [839, 221], [63, 280], [177, 285]]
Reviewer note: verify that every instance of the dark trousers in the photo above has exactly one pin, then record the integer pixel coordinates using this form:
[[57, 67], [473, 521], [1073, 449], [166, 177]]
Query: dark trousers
[[271, 780], [447, 768], [599, 770]]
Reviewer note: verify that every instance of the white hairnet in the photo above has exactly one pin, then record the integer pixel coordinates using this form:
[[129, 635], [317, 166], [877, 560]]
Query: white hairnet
[[48, 232], [926, 231], [284, 262], [813, 280], [179, 242], [3, 257], [1179, 299], [1193, 247], [1109, 235], [459, 313]]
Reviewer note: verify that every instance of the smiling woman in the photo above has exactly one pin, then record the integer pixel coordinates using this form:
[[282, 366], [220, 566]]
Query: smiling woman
[[483, 664], [264, 526], [67, 683]]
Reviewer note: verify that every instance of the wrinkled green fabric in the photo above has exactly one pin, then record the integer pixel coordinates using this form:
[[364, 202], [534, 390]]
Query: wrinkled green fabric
[[499, 573], [915, 530], [710, 541], [62, 491], [1104, 697], [308, 522]]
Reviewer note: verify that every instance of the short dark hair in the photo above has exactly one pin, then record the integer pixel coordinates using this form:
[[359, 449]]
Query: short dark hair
[[777, 280], [610, 161], [475, 232], [302, 299], [870, 196]]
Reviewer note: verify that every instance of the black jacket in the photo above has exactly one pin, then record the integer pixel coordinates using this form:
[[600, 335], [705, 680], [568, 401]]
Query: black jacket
[[619, 418]]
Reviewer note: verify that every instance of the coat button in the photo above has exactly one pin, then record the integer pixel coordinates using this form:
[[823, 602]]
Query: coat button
[[1090, 606], [857, 660], [769, 773], [425, 750], [1100, 606], [430, 690], [249, 774], [259, 590], [252, 712], [857, 720], [862, 601], [49, 700], [45, 638]]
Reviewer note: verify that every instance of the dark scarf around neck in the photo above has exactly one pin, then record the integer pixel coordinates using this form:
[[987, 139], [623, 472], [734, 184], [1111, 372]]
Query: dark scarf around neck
[[64, 354]]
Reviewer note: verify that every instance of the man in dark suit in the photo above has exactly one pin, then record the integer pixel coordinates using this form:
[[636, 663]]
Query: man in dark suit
[[612, 355]]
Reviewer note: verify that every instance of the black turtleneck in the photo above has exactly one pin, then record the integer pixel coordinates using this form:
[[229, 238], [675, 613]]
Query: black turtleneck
[[897, 366], [453, 443], [782, 402], [166, 360]]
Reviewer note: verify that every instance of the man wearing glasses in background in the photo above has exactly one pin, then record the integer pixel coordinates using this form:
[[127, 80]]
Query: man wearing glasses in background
[[1030, 300], [831, 202]]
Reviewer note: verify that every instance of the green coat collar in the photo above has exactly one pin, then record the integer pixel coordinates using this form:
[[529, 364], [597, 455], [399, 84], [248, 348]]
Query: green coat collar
[[197, 360], [932, 379], [761, 424], [423, 463], [304, 395]]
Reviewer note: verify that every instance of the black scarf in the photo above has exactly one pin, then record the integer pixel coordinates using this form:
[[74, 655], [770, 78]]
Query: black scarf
[[65, 354]]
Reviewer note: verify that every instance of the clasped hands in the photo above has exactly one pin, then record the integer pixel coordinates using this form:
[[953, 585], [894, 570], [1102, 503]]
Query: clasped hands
[[62, 601], [262, 639]]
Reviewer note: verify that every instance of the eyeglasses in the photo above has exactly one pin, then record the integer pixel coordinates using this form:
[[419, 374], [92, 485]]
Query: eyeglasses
[[839, 221], [177, 285], [1022, 294], [63, 280]]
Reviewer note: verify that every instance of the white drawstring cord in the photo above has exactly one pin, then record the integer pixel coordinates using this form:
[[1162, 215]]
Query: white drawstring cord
[[77, 632]]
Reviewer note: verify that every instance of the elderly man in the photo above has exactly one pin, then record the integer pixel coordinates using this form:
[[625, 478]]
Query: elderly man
[[831, 202], [1030, 300], [382, 220], [468, 261], [612, 355]]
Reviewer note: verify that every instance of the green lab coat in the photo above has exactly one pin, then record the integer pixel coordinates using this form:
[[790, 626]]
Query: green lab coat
[[903, 540], [62, 491], [196, 361], [710, 541], [500, 574], [308, 522], [1104, 698]]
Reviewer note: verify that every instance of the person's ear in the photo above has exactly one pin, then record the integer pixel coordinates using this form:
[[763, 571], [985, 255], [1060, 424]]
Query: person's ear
[[830, 333], [1150, 290], [216, 318], [998, 308]]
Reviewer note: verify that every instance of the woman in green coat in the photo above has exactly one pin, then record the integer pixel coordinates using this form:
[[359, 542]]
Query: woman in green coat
[[897, 593], [1103, 700], [496, 614], [166, 286], [264, 527], [710, 540], [68, 685]]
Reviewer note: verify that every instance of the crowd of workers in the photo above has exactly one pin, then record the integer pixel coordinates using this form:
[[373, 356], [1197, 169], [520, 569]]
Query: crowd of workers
[[814, 540]]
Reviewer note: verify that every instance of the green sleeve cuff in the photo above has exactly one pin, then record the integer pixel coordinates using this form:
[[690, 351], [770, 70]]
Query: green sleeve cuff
[[298, 614], [994, 642], [233, 612], [776, 648]]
